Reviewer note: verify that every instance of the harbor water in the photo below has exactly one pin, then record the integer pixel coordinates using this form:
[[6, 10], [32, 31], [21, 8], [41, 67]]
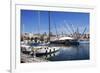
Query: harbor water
[[67, 53]]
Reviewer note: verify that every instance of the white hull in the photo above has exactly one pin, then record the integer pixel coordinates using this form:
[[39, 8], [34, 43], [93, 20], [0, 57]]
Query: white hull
[[46, 50]]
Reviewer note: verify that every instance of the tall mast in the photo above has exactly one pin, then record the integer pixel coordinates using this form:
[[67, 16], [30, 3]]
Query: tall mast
[[49, 24], [22, 31], [22, 28], [77, 33], [56, 31], [38, 22]]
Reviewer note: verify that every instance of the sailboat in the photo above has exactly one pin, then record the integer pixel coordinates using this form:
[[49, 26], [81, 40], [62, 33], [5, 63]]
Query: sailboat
[[43, 48]]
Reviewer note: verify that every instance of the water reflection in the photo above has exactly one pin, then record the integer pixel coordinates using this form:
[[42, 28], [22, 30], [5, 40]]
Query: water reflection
[[65, 53]]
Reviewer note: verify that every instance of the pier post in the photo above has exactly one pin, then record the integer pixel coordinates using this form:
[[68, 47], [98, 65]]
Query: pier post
[[34, 54]]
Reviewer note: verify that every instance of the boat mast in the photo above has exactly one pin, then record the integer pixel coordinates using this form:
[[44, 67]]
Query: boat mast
[[77, 33], [39, 22], [56, 31], [22, 31], [22, 28], [49, 24]]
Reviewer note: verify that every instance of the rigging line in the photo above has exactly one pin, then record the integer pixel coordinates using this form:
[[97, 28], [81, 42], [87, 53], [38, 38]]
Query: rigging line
[[72, 28], [83, 32], [77, 32], [82, 26], [74, 32], [67, 28], [76, 28], [56, 29]]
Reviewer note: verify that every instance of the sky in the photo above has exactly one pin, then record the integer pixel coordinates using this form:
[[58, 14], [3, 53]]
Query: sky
[[34, 21]]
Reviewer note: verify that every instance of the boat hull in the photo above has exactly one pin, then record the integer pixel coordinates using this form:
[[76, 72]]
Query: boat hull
[[46, 50], [65, 42], [45, 53]]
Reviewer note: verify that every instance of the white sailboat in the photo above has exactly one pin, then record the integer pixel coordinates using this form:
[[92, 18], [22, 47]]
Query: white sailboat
[[44, 48]]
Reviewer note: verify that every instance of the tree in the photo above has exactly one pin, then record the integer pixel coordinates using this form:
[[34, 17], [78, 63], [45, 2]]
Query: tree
[[32, 38], [35, 39]]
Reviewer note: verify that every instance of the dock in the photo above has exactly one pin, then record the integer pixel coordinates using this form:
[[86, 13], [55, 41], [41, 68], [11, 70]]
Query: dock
[[25, 58]]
